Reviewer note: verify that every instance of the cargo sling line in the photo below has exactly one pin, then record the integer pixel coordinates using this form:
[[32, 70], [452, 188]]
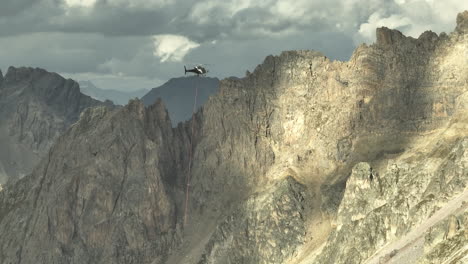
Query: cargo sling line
[[187, 182]]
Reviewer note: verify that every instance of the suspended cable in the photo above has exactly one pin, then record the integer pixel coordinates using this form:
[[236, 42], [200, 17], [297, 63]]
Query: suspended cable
[[187, 182]]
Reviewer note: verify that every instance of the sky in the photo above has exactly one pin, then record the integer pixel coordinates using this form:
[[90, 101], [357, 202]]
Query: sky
[[134, 44]]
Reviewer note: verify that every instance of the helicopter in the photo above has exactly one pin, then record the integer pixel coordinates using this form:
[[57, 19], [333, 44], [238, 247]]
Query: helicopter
[[198, 70]]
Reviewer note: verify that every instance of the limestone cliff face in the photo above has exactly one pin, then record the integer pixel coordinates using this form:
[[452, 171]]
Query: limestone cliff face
[[382, 205], [303, 152], [35, 108], [384, 202], [301, 115], [462, 23]]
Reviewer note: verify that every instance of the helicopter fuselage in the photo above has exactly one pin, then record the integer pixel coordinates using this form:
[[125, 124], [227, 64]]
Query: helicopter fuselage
[[197, 70]]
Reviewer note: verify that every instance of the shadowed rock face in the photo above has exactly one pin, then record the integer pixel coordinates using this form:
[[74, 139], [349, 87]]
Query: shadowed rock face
[[103, 202], [35, 108], [261, 225], [462, 23], [272, 157]]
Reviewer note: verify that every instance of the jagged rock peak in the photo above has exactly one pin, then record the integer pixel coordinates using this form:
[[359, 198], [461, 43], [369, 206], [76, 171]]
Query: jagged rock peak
[[135, 108], [158, 108], [386, 36], [462, 22], [288, 55], [92, 113], [45, 83], [428, 36], [26, 73], [275, 64], [393, 38]]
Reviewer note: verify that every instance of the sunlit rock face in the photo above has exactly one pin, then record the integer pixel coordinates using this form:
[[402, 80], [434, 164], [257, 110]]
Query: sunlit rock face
[[302, 154], [446, 241], [36, 107], [384, 202], [381, 205]]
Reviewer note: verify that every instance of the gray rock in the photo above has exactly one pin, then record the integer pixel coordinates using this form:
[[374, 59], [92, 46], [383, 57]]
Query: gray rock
[[462, 22], [103, 202], [267, 228], [446, 241], [380, 207], [35, 108]]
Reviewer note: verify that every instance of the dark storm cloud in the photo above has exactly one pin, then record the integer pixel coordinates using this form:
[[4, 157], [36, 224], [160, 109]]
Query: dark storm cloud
[[116, 37], [117, 22], [67, 52], [199, 20], [12, 8], [28, 17]]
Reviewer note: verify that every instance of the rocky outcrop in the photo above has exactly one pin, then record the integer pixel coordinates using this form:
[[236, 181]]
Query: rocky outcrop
[[35, 108], [383, 205], [300, 153], [384, 202], [446, 242], [266, 229], [104, 202], [462, 23], [178, 95]]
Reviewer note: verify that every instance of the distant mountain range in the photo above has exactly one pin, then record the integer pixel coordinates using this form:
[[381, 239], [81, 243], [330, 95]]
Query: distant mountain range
[[118, 97], [178, 95]]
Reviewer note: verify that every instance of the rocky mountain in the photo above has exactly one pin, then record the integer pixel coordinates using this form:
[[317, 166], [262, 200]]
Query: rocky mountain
[[178, 95], [118, 97], [304, 160], [36, 107]]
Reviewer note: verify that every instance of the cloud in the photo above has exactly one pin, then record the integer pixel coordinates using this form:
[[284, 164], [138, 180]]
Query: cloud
[[151, 39], [413, 17], [12, 8], [80, 3], [172, 47], [367, 30], [139, 3], [203, 21]]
